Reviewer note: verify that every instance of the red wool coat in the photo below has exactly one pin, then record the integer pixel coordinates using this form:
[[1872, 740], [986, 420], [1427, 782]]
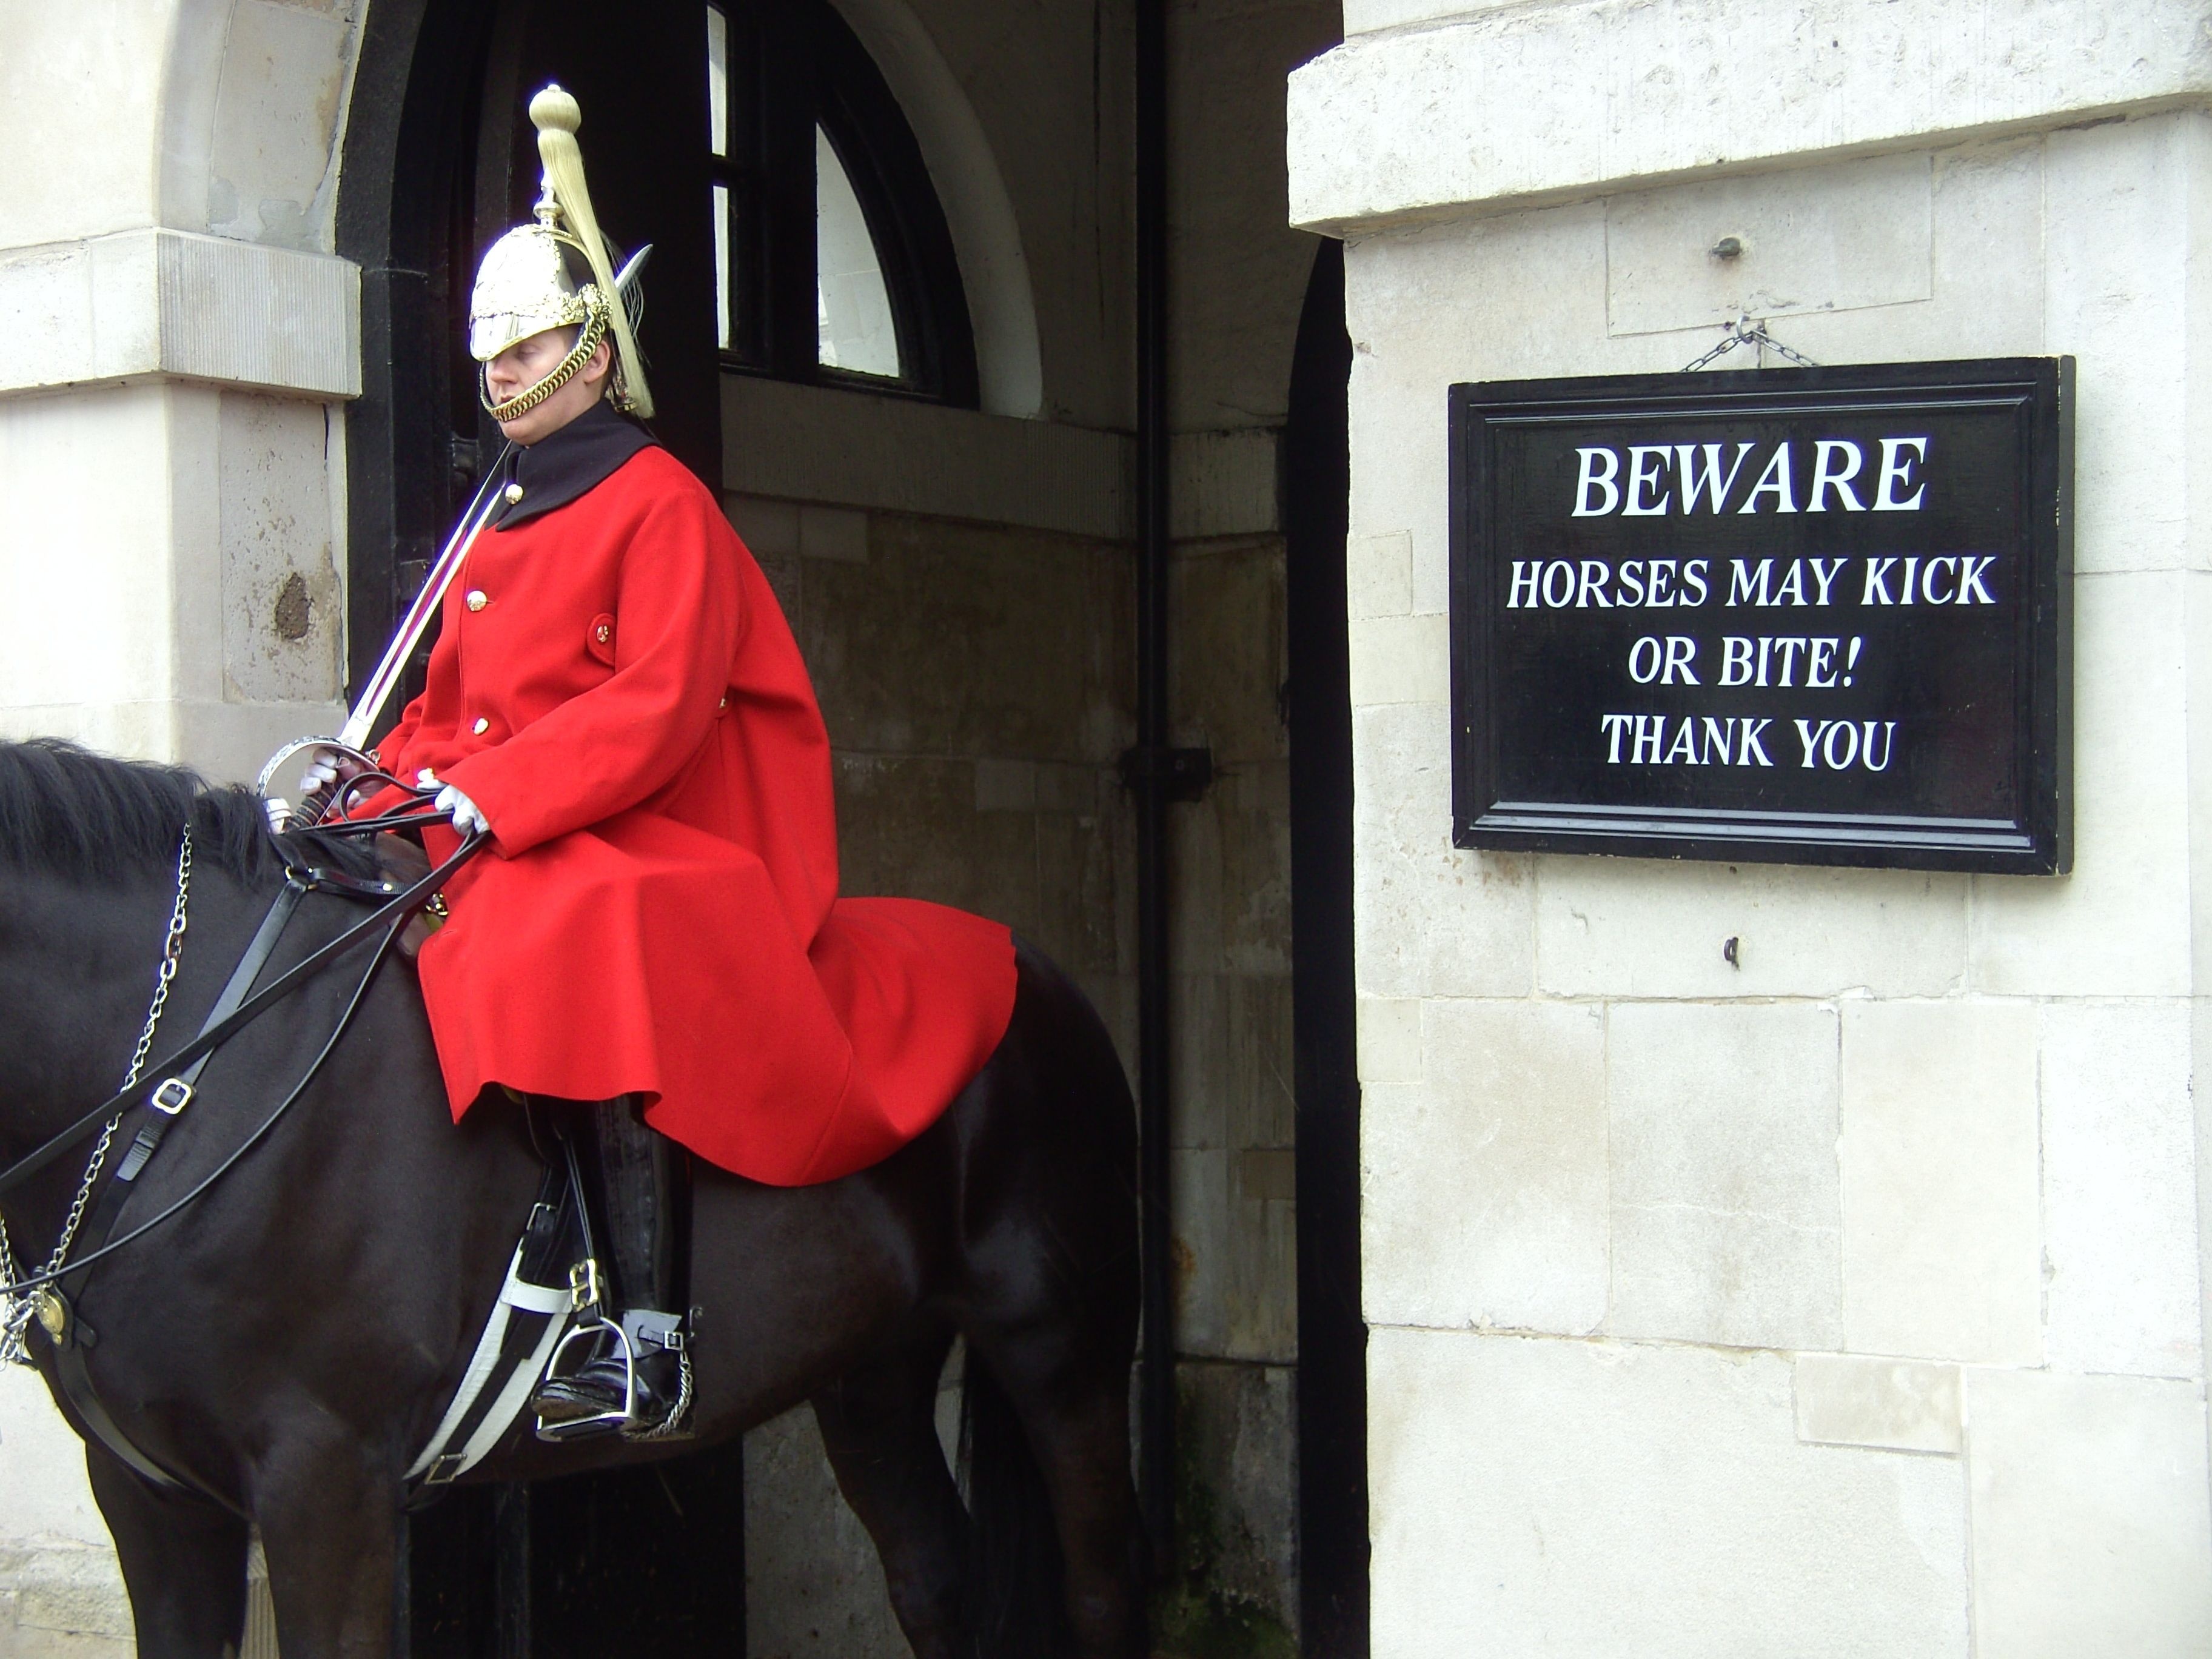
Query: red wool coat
[[616, 687]]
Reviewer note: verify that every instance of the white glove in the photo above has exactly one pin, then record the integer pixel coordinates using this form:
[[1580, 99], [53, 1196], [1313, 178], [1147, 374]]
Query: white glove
[[467, 815], [324, 773]]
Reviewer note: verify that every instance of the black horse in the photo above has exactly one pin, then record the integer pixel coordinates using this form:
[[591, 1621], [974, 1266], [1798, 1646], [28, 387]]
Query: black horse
[[286, 1344]]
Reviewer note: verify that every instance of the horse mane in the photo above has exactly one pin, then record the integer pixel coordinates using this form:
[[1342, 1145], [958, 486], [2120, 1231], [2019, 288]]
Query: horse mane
[[84, 817]]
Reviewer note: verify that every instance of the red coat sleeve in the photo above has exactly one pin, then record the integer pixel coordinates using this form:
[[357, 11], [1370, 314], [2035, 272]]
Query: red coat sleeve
[[396, 740], [601, 753]]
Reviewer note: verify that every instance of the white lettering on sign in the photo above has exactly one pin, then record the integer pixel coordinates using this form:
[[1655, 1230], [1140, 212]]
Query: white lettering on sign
[[1894, 469], [1668, 664], [1838, 746], [1944, 580], [1653, 480], [1602, 584], [1685, 740]]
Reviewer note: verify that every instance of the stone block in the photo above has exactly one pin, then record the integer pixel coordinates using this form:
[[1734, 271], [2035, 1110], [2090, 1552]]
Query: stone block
[[2119, 925], [1389, 1040], [35, 1642], [1197, 901], [1224, 483], [1538, 282], [42, 1472], [1062, 787], [1235, 1263], [1591, 1500], [283, 600], [2116, 273], [1430, 921], [1231, 647], [56, 455], [1891, 1405], [1547, 103], [1829, 238], [2090, 1530], [1086, 879], [1725, 1206], [84, 88], [1942, 1240], [1400, 659], [1379, 574], [833, 532], [1005, 786], [1642, 928], [814, 1586], [1041, 666], [769, 528], [1231, 1034], [1234, 1587], [284, 71], [2119, 1190], [901, 456], [1485, 1185], [1265, 1175], [981, 861], [1986, 298]]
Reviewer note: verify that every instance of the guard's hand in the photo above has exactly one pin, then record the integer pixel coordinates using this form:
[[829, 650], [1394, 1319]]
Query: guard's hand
[[325, 774], [466, 814]]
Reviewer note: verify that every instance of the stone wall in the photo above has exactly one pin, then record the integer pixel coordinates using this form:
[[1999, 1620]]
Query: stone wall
[[1841, 1296]]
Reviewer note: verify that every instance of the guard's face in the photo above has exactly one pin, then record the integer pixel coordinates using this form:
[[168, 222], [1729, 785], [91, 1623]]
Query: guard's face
[[526, 362]]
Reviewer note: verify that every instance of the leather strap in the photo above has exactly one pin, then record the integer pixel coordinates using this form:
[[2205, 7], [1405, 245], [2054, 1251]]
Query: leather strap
[[159, 1113], [213, 1037]]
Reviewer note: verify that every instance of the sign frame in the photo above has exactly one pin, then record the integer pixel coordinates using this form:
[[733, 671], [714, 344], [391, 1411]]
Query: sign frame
[[2036, 839]]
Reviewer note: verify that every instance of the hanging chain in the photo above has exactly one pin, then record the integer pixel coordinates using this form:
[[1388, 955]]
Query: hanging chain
[[17, 1308], [1744, 331]]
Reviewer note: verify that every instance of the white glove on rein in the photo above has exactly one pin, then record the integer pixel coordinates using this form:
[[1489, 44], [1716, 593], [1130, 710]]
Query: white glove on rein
[[466, 814]]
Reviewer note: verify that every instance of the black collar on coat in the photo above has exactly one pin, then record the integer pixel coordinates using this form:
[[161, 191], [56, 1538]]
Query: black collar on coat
[[564, 464]]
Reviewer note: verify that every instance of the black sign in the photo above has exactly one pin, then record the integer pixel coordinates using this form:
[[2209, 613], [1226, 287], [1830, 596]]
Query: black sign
[[1813, 616]]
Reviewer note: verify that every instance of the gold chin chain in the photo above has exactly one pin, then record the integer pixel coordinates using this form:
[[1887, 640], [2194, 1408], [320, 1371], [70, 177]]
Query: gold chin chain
[[595, 330], [17, 1307]]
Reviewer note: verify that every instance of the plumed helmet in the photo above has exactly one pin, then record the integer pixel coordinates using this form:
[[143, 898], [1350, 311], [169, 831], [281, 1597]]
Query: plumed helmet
[[556, 272]]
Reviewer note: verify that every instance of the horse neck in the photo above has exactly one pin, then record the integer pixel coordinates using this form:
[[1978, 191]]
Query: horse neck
[[78, 964]]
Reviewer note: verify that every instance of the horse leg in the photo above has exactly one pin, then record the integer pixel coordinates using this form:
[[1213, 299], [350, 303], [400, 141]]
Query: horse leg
[[879, 1425], [1076, 1414], [330, 1527], [183, 1562]]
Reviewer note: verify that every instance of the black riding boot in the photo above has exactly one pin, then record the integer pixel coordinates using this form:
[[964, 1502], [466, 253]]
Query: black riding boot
[[634, 1212]]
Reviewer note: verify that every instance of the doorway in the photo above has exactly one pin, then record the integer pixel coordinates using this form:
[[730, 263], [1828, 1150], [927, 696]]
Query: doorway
[[893, 520]]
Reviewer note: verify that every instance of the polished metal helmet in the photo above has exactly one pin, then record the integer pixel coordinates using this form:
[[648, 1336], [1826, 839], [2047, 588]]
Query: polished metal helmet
[[528, 281]]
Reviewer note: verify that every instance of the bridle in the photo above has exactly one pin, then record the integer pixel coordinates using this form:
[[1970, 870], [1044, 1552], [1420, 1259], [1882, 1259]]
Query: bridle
[[46, 1293]]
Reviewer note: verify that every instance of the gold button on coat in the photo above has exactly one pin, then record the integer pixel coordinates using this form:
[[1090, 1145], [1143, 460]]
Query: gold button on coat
[[513, 493], [476, 599], [482, 726]]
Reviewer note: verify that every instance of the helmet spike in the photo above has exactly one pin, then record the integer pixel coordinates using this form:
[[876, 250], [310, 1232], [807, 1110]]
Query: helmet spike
[[556, 114]]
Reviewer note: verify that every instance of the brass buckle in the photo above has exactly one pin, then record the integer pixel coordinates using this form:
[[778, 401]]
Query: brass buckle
[[584, 1290], [171, 1097]]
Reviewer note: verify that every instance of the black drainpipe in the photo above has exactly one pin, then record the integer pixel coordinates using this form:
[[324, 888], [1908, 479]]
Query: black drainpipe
[[1147, 768]]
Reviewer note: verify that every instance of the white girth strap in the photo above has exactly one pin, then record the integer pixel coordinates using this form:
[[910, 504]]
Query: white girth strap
[[554, 1303]]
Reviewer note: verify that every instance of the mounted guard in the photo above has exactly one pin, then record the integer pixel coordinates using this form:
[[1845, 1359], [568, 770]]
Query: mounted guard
[[272, 1255], [655, 952]]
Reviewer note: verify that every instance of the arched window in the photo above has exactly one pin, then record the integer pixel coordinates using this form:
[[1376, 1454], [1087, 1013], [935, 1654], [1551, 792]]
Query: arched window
[[832, 258]]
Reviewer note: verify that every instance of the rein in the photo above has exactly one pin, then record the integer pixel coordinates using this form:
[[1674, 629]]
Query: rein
[[180, 1072], [394, 911]]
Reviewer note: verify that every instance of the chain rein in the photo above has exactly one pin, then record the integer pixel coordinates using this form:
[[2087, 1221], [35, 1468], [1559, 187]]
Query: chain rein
[[16, 1308]]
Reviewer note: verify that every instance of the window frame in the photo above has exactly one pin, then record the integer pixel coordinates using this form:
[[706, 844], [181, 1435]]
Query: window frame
[[794, 66]]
